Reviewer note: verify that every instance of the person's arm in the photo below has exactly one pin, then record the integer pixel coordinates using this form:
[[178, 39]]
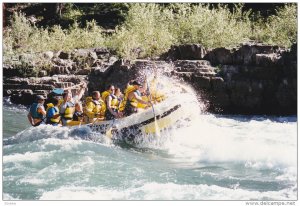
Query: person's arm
[[30, 119], [41, 110], [81, 91], [140, 100], [108, 103], [62, 108]]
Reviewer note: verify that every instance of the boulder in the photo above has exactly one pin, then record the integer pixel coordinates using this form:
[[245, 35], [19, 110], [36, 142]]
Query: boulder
[[185, 52], [48, 55], [220, 56], [64, 55], [42, 73], [267, 60]]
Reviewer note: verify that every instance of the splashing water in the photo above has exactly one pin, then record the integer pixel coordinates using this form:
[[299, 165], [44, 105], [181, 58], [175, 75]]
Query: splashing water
[[208, 157]]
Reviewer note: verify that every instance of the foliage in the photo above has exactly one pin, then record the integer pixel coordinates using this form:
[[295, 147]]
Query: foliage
[[145, 32], [278, 29], [24, 38], [149, 29]]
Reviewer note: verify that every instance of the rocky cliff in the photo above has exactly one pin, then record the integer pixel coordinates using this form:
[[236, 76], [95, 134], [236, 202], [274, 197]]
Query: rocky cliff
[[249, 79]]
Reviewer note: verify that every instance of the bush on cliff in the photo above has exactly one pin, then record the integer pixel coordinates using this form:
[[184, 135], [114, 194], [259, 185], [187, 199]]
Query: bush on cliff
[[280, 29], [24, 38], [145, 32], [150, 29]]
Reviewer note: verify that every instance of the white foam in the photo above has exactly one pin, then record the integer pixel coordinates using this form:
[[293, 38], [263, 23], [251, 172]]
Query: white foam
[[28, 156], [256, 143], [34, 180], [7, 197], [169, 191]]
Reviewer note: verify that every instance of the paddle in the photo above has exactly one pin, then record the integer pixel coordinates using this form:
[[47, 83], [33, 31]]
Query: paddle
[[157, 131], [108, 132]]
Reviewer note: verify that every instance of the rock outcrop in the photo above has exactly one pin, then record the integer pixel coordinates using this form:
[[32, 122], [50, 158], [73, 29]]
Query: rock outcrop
[[250, 79], [24, 90]]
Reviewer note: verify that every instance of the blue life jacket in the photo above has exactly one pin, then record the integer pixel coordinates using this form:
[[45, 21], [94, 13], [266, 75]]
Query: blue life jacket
[[34, 111]]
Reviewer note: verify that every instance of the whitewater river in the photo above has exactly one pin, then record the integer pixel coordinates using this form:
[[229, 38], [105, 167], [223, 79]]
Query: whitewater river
[[209, 158]]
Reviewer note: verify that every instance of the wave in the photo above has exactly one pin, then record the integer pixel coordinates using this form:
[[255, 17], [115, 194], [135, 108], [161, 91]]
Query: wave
[[168, 191], [262, 143]]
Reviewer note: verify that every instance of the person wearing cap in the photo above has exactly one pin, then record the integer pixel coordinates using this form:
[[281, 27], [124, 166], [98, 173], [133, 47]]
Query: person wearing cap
[[132, 97], [37, 111]]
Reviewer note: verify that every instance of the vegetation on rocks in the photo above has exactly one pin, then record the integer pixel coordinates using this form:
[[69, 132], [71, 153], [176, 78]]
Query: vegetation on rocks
[[149, 29]]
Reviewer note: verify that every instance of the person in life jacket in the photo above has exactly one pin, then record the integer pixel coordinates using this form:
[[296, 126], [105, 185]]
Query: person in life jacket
[[94, 107], [37, 111], [131, 99], [111, 103], [119, 94], [68, 107], [52, 113]]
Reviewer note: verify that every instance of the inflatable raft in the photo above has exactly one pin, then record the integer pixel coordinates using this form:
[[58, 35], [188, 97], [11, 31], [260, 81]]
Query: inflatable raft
[[147, 121]]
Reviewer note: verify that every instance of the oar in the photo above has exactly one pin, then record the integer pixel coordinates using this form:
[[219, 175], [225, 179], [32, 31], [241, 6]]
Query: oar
[[58, 91], [157, 131], [108, 132]]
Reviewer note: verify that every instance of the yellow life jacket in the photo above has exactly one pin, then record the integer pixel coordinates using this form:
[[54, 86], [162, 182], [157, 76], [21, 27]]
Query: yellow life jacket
[[55, 120], [88, 99], [60, 101], [133, 101], [97, 107], [104, 95], [114, 102], [141, 105], [70, 109], [93, 107]]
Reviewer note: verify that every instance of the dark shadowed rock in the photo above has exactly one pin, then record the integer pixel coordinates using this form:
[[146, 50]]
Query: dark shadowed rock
[[187, 51], [64, 55], [220, 56]]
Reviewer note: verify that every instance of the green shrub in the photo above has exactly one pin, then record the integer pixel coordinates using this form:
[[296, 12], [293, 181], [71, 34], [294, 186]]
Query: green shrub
[[149, 29], [145, 32], [280, 29], [210, 27], [24, 37]]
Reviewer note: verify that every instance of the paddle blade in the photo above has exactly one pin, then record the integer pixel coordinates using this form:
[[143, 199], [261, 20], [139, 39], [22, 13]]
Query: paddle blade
[[58, 91], [108, 133]]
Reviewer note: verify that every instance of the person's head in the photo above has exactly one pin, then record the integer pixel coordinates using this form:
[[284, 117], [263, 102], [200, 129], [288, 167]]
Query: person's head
[[40, 99], [55, 101], [67, 96], [96, 95], [136, 84], [118, 92], [78, 107], [111, 89]]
